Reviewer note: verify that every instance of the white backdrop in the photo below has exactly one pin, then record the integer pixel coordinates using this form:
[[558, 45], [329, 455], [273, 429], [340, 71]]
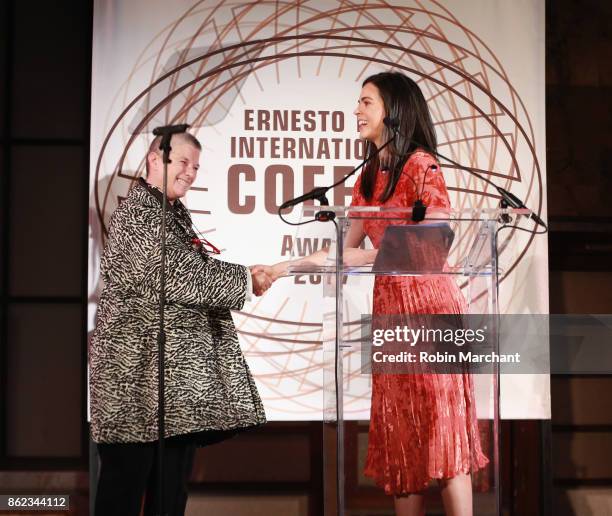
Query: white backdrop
[[229, 68]]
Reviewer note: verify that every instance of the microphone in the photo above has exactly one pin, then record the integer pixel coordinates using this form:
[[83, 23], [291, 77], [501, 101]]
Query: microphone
[[317, 193], [514, 202], [166, 132], [419, 209], [391, 123], [170, 129]]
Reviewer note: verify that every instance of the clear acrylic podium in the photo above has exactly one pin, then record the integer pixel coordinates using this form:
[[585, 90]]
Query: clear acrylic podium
[[346, 296]]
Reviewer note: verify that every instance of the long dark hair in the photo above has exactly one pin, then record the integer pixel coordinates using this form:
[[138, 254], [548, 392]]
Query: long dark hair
[[403, 101]]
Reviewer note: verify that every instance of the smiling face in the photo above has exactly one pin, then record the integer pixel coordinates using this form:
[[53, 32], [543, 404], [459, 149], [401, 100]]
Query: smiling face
[[370, 113], [182, 171]]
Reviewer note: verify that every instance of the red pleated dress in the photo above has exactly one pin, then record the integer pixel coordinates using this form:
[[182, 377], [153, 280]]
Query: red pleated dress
[[422, 426]]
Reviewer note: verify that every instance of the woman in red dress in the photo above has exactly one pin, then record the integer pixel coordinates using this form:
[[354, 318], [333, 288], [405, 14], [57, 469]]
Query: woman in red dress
[[422, 426]]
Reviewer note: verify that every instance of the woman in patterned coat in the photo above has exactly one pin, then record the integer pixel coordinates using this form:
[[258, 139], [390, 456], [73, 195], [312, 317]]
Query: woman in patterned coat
[[209, 390]]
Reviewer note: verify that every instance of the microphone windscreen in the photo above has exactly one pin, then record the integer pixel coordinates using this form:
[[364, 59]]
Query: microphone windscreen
[[391, 123], [418, 211]]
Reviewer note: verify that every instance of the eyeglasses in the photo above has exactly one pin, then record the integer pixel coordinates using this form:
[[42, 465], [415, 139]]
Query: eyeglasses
[[203, 244]]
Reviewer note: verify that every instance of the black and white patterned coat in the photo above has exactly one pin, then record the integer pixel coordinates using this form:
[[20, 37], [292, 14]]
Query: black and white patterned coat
[[208, 383]]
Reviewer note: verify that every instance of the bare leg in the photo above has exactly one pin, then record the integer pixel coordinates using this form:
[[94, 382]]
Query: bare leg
[[410, 505], [457, 495]]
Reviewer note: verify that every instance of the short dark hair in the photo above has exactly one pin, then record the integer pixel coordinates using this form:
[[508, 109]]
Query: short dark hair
[[179, 137], [403, 101]]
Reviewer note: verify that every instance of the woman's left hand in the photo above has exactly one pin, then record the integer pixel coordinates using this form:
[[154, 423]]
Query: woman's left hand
[[355, 257]]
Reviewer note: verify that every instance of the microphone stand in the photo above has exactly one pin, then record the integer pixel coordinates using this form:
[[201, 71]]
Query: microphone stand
[[319, 192], [166, 133], [508, 199]]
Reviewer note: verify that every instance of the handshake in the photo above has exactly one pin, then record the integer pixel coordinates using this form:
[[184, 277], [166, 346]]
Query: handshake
[[263, 276]]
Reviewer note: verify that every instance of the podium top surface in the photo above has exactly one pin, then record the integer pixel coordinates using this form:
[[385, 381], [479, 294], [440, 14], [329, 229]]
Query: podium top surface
[[367, 270], [432, 213]]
